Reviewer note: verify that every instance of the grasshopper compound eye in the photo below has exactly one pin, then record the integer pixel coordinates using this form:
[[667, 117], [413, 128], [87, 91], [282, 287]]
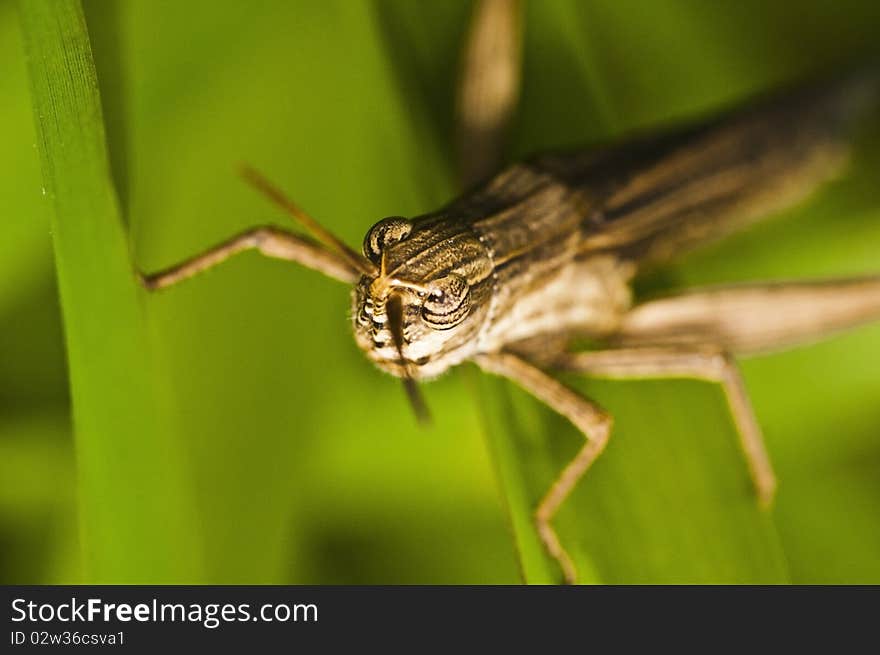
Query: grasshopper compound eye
[[385, 233], [447, 303]]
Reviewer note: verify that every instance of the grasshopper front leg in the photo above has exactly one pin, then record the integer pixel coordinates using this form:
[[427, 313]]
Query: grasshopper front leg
[[589, 418], [268, 240], [328, 255]]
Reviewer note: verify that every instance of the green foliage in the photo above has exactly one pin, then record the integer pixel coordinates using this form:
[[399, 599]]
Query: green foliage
[[132, 493], [229, 431]]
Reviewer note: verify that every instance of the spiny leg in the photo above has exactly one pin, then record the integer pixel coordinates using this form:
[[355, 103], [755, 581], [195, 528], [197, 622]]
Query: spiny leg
[[589, 418], [707, 364], [270, 241], [488, 87]]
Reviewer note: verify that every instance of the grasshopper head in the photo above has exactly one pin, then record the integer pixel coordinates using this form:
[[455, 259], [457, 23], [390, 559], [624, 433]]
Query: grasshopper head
[[423, 310]]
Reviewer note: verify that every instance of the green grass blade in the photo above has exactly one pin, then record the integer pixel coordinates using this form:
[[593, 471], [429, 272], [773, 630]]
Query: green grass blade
[[135, 518]]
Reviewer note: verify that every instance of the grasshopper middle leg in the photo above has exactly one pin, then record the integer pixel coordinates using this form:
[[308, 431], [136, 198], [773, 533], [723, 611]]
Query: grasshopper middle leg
[[708, 364], [694, 335], [488, 87]]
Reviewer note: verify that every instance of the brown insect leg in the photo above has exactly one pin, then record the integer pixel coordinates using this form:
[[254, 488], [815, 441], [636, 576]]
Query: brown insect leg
[[488, 86], [753, 318], [709, 364], [270, 241], [589, 418]]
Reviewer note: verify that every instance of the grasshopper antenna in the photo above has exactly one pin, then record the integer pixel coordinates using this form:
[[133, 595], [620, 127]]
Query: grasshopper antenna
[[395, 324], [264, 186]]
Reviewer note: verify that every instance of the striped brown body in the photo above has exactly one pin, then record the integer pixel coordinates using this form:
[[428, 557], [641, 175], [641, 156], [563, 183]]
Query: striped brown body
[[550, 246]]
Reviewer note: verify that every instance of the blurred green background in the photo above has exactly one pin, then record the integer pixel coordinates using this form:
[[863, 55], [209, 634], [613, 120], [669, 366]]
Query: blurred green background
[[284, 456]]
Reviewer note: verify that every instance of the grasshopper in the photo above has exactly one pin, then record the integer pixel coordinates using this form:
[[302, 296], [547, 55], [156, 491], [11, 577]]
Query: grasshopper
[[545, 252]]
